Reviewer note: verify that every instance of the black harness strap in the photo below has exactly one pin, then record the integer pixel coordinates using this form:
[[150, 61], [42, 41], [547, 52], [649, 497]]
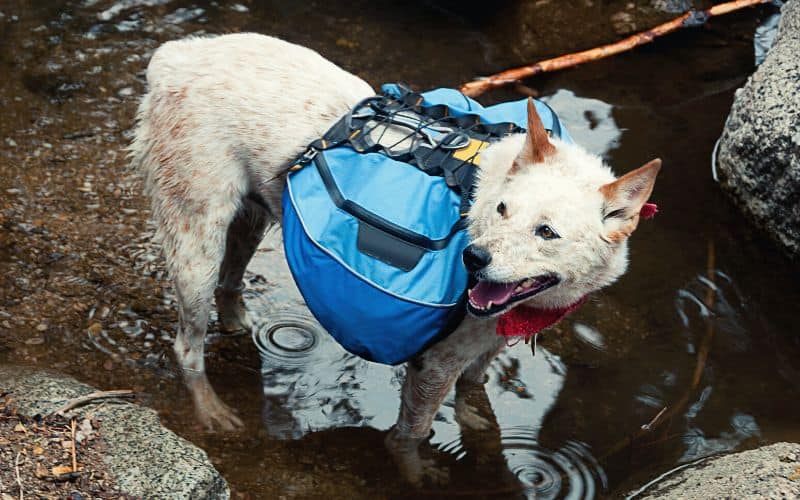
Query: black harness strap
[[437, 158]]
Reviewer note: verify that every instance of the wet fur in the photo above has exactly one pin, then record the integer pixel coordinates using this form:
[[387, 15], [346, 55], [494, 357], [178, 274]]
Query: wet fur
[[223, 118]]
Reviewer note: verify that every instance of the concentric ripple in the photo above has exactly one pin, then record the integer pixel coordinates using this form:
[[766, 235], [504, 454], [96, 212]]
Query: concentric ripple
[[288, 337], [571, 472]]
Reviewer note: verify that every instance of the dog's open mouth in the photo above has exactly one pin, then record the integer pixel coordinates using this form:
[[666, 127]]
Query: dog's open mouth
[[488, 298]]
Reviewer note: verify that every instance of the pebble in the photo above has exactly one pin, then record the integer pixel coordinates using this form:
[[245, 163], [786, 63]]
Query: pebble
[[623, 23]]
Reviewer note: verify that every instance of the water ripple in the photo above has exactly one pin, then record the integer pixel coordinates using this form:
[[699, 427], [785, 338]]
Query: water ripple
[[570, 472], [289, 338]]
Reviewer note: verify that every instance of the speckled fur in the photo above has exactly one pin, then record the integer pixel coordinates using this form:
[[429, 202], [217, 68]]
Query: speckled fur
[[223, 118]]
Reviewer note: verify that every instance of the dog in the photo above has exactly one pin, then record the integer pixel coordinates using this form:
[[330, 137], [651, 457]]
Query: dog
[[225, 116]]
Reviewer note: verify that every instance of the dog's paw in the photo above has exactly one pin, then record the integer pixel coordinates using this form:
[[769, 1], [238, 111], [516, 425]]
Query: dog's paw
[[433, 474], [414, 469], [419, 472], [235, 322], [211, 411], [219, 417]]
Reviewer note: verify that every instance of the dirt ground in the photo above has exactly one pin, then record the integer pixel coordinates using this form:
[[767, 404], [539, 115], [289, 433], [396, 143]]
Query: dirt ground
[[40, 457]]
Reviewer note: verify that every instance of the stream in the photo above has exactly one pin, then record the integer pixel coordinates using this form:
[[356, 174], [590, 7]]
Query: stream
[[83, 289]]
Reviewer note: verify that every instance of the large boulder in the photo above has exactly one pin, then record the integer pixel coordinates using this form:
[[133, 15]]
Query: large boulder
[[759, 152], [767, 472], [146, 459]]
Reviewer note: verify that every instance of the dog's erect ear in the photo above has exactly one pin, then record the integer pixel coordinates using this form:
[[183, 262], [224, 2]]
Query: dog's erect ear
[[625, 197], [537, 146]]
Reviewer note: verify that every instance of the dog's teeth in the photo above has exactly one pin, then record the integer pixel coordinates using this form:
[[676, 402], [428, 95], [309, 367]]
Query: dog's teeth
[[518, 289], [527, 283]]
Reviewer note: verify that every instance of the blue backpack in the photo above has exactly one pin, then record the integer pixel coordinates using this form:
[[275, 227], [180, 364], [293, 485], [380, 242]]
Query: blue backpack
[[374, 216]]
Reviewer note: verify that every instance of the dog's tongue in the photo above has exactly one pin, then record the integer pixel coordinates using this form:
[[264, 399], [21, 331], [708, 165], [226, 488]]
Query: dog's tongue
[[525, 321], [496, 293]]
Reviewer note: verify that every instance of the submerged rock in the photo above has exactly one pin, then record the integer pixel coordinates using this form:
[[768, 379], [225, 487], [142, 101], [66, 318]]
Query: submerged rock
[[759, 152], [146, 459], [673, 6], [767, 472]]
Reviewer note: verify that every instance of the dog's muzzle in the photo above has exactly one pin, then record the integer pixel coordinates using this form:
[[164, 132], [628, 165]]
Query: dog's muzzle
[[476, 258]]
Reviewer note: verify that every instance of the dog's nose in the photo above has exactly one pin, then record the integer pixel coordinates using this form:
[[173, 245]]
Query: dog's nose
[[476, 258]]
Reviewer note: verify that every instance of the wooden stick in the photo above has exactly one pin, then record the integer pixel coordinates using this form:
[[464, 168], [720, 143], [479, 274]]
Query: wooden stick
[[689, 19], [19, 479], [82, 400], [74, 454]]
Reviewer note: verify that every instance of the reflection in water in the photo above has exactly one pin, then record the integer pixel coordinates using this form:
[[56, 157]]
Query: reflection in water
[[719, 305], [570, 472], [309, 382], [590, 336], [698, 445], [589, 121]]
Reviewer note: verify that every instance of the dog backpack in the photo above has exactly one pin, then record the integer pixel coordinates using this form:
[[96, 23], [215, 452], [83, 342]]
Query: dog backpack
[[374, 216]]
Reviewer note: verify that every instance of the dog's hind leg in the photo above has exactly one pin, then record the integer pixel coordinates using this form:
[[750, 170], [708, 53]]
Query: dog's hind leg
[[194, 256], [244, 235], [192, 218]]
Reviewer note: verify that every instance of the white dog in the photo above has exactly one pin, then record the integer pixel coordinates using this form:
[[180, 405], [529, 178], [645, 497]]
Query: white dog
[[223, 119]]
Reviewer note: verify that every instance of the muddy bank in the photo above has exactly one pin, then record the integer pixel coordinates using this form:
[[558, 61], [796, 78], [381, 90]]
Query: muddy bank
[[140, 457]]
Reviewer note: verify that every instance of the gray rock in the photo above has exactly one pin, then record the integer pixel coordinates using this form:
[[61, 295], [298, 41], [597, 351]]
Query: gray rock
[[146, 459], [759, 151], [767, 472]]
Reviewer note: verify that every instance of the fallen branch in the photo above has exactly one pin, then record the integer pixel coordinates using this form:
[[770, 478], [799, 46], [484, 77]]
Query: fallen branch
[[82, 400], [689, 19]]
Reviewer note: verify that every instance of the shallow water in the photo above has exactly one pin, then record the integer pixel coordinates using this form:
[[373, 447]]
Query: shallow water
[[84, 290]]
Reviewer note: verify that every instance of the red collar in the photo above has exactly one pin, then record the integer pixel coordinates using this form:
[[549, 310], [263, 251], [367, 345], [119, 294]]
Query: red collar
[[524, 321]]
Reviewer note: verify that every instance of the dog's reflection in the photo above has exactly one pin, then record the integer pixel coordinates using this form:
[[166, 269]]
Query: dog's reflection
[[474, 464]]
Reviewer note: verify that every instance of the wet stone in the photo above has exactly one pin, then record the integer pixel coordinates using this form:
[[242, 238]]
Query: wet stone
[[146, 459], [759, 151], [753, 474]]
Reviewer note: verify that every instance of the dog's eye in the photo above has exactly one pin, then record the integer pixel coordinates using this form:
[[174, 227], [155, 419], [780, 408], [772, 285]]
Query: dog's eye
[[546, 232], [614, 214], [501, 208]]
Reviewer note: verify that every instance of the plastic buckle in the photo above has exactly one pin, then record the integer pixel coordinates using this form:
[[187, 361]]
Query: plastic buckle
[[304, 160], [308, 155], [454, 140]]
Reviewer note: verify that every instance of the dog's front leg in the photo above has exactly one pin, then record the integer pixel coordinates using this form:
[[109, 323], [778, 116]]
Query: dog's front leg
[[429, 378], [473, 410]]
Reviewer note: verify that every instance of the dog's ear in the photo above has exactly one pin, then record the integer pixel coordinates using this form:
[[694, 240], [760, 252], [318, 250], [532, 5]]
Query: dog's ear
[[537, 145], [624, 199]]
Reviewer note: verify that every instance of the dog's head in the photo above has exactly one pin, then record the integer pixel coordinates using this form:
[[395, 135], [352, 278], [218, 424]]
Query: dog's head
[[549, 223]]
